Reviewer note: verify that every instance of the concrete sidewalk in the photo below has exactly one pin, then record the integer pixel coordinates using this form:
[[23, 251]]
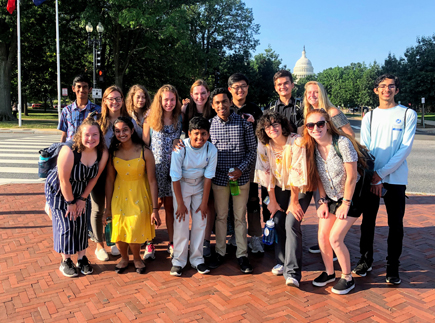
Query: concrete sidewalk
[[33, 290]]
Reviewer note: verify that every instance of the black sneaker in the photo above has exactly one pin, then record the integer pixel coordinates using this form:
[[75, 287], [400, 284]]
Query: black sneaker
[[176, 271], [314, 249], [244, 264], [393, 275], [324, 279], [216, 261], [84, 266], [68, 269], [202, 269], [343, 286], [362, 268]]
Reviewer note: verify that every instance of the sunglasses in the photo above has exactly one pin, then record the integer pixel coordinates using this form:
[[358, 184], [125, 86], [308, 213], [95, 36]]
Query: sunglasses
[[319, 124]]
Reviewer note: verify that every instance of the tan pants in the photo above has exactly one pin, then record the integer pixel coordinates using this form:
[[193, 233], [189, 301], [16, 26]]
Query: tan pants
[[221, 199]]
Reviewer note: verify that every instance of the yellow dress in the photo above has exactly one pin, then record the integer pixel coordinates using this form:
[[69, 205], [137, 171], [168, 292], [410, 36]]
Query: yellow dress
[[131, 202]]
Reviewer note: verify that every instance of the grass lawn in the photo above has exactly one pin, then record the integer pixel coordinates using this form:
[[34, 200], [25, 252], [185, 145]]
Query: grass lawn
[[430, 116], [30, 124]]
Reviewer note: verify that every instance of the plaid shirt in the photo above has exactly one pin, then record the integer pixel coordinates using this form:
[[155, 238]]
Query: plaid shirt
[[71, 117], [236, 145]]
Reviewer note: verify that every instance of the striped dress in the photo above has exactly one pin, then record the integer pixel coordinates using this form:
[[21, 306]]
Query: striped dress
[[69, 236]]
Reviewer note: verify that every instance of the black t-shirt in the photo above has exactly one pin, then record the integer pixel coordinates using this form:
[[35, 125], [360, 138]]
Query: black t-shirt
[[250, 108], [292, 112]]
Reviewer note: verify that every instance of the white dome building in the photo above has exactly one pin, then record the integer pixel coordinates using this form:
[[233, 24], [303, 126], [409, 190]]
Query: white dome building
[[303, 67]]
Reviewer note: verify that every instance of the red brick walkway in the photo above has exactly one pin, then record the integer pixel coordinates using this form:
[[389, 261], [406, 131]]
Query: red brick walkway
[[33, 290]]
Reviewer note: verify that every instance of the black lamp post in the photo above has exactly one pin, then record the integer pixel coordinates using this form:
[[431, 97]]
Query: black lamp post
[[95, 42]]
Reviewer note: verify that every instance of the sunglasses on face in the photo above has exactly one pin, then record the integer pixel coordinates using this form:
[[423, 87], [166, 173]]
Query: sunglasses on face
[[319, 124]]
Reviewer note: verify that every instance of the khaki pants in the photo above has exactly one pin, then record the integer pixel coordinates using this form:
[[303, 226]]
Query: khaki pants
[[221, 198]]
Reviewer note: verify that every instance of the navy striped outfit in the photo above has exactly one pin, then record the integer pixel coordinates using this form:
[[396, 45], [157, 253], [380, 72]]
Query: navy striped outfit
[[69, 236]]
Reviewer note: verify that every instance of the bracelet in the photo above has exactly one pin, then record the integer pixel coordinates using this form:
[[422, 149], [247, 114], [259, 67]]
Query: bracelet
[[81, 198], [70, 202], [156, 208]]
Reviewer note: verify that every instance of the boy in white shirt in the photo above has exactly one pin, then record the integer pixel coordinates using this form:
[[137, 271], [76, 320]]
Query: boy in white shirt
[[192, 169]]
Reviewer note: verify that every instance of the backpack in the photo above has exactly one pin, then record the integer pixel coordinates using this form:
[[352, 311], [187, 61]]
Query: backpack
[[48, 157], [365, 172]]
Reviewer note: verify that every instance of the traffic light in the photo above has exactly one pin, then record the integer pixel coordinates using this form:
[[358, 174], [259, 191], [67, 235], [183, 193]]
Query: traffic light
[[101, 75], [98, 58]]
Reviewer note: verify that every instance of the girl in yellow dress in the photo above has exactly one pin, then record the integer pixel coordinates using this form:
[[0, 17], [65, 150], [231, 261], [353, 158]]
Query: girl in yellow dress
[[132, 189]]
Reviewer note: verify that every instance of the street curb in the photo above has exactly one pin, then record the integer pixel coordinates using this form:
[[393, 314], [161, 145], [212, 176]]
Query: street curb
[[31, 131]]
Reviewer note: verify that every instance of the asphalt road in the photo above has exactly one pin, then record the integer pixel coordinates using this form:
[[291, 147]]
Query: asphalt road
[[421, 161]]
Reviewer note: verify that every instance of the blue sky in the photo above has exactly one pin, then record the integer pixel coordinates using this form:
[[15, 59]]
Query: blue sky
[[337, 33]]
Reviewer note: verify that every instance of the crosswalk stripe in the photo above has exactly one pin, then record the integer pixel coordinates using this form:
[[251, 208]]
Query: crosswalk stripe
[[20, 155], [20, 180], [19, 150], [24, 170], [19, 161], [18, 145]]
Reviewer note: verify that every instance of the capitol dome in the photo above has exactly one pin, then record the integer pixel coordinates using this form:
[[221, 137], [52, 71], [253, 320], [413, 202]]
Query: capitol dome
[[303, 67]]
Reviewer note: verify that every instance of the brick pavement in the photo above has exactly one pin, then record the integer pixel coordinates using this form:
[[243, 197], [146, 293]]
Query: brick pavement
[[33, 290]]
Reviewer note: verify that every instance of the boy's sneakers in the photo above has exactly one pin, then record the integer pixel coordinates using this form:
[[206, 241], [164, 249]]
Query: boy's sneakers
[[324, 279], [216, 261], [171, 250], [244, 264], [176, 271], [101, 254], [343, 286], [393, 275], [202, 269], [293, 282], [278, 270], [314, 249], [84, 266], [149, 251], [362, 268], [232, 241], [255, 245], [206, 249], [114, 251], [68, 269]]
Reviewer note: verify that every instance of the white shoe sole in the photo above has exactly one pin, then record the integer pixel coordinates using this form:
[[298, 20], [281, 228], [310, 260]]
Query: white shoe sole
[[292, 283], [318, 284], [101, 259], [363, 275], [66, 275], [342, 292], [174, 274]]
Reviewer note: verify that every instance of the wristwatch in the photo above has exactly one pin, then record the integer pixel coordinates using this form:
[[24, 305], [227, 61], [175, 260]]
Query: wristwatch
[[322, 200], [81, 198], [70, 202]]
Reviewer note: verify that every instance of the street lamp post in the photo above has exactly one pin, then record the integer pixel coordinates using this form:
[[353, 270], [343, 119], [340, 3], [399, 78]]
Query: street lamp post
[[94, 42]]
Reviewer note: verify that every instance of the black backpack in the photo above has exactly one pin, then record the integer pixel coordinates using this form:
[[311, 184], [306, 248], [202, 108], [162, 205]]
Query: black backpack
[[48, 157], [365, 172]]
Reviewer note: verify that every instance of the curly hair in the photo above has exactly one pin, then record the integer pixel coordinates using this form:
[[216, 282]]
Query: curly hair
[[77, 139], [104, 120], [155, 118], [268, 119], [115, 143], [129, 102]]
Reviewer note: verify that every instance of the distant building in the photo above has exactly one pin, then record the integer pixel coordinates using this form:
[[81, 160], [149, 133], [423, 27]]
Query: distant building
[[303, 67]]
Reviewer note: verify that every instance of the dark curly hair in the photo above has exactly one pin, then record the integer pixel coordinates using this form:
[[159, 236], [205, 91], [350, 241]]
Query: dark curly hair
[[115, 143], [268, 119]]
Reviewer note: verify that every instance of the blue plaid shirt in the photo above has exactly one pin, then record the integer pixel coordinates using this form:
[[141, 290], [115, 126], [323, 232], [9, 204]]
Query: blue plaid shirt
[[236, 145], [71, 117]]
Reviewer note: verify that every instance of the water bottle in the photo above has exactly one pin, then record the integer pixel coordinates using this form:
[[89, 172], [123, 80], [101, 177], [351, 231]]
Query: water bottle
[[269, 233], [234, 184], [108, 232], [43, 166]]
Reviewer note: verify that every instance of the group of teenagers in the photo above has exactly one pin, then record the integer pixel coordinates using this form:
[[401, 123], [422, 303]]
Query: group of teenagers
[[125, 160]]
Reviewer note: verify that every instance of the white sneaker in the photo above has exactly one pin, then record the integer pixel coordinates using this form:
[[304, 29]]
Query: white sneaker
[[232, 240], [115, 251], [255, 245], [149, 252], [278, 270], [292, 282], [101, 254]]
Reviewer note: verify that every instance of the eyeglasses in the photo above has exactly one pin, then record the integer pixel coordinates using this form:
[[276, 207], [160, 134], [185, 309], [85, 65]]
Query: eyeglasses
[[390, 86], [236, 88], [273, 125], [319, 124], [111, 100]]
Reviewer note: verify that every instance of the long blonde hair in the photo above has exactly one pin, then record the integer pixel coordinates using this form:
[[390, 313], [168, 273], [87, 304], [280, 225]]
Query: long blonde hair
[[155, 119], [129, 102], [324, 102], [104, 120]]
